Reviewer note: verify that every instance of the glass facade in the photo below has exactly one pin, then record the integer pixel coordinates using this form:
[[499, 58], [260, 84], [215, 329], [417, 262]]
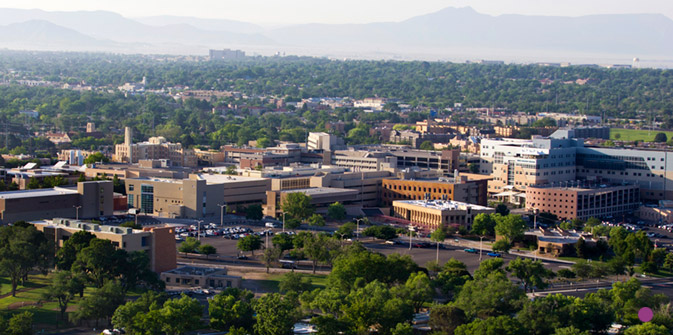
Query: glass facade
[[147, 198]]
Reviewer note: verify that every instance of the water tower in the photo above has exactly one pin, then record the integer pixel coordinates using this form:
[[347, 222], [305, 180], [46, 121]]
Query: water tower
[[636, 63]]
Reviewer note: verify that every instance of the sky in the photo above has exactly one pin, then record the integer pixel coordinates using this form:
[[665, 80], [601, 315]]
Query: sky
[[341, 11]]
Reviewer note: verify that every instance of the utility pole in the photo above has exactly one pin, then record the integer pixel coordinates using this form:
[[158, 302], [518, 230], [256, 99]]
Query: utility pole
[[198, 231], [222, 207]]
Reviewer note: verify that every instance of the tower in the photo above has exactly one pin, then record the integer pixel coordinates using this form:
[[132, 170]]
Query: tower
[[128, 142], [636, 63]]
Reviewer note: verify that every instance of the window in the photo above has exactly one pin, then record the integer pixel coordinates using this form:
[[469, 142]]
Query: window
[[130, 200], [168, 279], [131, 187], [145, 241]]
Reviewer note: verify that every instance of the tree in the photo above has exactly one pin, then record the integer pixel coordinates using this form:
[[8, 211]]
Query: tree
[[417, 290], [647, 328], [318, 249], [67, 254], [452, 277], [488, 266], [501, 245], [140, 316], [64, 285], [531, 273], [660, 137], [275, 315], [181, 315], [491, 296], [271, 255], [502, 209], [20, 324], [316, 220], [97, 261], [297, 205], [254, 212], [445, 318], [374, 305], [511, 227], [294, 282], [484, 225], [439, 235], [336, 211], [474, 168], [231, 308], [131, 224], [283, 241], [500, 325], [380, 232], [427, 145], [23, 248], [346, 230], [249, 243], [95, 158], [207, 249], [403, 328], [190, 245], [101, 304]]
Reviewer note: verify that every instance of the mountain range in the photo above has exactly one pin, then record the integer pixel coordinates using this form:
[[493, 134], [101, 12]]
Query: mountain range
[[451, 31]]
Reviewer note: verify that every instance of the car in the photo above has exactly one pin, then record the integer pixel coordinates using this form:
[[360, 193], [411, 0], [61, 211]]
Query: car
[[242, 257], [389, 242], [470, 250], [494, 254]]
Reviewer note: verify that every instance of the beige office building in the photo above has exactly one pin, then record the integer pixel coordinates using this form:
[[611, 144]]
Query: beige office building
[[158, 242], [435, 213], [198, 196], [154, 148]]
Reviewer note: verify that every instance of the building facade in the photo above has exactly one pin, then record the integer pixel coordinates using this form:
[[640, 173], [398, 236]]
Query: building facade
[[583, 202], [461, 190], [157, 242], [432, 214], [90, 199]]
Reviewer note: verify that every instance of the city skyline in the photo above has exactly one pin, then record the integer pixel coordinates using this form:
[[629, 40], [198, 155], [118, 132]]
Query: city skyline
[[268, 12]]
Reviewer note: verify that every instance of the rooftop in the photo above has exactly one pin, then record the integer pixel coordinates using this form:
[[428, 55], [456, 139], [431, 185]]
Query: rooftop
[[92, 227], [223, 179], [193, 270], [442, 205], [46, 192], [321, 190]]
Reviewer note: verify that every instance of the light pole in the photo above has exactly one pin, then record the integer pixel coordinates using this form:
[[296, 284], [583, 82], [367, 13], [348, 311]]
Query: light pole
[[357, 228], [222, 207], [283, 222], [481, 246], [198, 230], [77, 212], [534, 218], [411, 232]]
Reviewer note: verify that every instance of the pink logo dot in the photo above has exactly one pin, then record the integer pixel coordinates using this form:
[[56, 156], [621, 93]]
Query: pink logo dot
[[645, 314]]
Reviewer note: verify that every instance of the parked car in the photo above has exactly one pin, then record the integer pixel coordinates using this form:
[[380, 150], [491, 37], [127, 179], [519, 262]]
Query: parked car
[[470, 250]]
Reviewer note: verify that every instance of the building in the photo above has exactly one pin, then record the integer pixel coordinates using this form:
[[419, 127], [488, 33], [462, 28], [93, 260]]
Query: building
[[457, 189], [324, 141], [445, 161], [90, 127], [154, 148], [523, 163], [583, 201], [190, 276], [361, 160], [432, 214], [198, 196], [321, 198], [157, 242], [145, 168], [582, 132], [415, 139], [368, 184], [58, 138], [226, 54], [90, 199], [661, 213]]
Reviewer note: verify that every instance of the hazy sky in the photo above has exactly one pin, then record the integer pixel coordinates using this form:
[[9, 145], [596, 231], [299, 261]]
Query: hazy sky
[[342, 11]]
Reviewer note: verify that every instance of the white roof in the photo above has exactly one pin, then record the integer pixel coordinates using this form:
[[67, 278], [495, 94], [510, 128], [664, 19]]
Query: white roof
[[225, 179], [442, 204], [37, 193]]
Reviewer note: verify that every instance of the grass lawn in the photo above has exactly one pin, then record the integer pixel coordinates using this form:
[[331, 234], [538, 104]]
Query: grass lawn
[[637, 135], [272, 281], [45, 312]]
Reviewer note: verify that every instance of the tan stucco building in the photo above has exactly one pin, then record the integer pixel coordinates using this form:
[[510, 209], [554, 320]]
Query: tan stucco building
[[436, 213]]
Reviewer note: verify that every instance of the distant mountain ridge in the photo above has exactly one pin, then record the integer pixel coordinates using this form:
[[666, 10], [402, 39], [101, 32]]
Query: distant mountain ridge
[[447, 29]]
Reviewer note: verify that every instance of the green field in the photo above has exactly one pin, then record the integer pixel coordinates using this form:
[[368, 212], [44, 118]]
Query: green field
[[631, 135], [272, 281]]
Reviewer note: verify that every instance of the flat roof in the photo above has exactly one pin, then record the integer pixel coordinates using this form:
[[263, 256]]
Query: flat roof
[[45, 192], [224, 179], [320, 190], [86, 226], [441, 204]]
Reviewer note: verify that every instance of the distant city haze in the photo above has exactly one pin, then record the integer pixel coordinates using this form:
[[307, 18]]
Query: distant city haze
[[279, 12]]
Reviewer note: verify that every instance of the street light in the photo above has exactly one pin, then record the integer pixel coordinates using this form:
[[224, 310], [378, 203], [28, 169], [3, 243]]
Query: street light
[[357, 229], [411, 231], [283, 222], [77, 212], [535, 211], [198, 231], [481, 246], [222, 207]]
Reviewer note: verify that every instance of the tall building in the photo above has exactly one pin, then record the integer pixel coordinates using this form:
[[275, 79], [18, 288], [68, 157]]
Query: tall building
[[540, 161], [324, 141]]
